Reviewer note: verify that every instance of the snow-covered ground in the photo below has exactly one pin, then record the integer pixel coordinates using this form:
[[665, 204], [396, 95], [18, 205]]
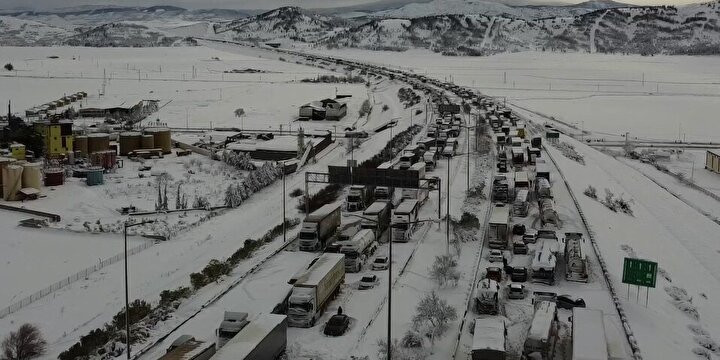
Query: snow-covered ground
[[659, 97]]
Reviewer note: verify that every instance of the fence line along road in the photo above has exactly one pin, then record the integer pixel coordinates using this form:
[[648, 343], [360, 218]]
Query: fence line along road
[[82, 274]]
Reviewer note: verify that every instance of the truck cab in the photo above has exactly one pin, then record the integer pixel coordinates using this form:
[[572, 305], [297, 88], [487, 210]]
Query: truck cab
[[231, 324], [355, 199]]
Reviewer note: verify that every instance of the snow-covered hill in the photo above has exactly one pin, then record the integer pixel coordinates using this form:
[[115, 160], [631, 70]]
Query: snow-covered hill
[[692, 29], [494, 8], [18, 32], [285, 22], [124, 34]]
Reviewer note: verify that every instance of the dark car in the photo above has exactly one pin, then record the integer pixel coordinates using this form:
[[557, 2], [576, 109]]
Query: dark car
[[519, 274], [569, 302], [337, 325], [494, 273]]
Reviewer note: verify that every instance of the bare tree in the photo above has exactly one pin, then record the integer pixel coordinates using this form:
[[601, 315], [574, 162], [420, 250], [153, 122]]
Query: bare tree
[[25, 343], [443, 269], [433, 315]]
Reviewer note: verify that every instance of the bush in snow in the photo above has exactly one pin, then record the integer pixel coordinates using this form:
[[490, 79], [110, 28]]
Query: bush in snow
[[365, 108], [25, 343], [399, 352], [200, 202], [296, 192], [385, 107], [432, 316], [412, 339], [477, 191], [9, 67], [241, 160], [168, 297], [138, 310], [198, 280], [326, 195], [444, 270], [215, 269], [591, 192]]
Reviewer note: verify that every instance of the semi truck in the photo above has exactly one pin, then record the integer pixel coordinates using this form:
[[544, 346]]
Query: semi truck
[[376, 217], [489, 339], [185, 347], [575, 261], [487, 297], [499, 227], [230, 325], [358, 197], [313, 291], [541, 337], [319, 226], [358, 249], [403, 220], [264, 338]]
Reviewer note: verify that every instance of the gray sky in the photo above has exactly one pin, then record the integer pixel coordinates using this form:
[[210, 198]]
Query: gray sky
[[251, 4]]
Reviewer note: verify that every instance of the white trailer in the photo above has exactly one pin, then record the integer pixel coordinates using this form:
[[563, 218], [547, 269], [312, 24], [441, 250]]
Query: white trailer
[[498, 232], [543, 331], [358, 249], [544, 263], [575, 261], [264, 338], [185, 347], [376, 217], [313, 290], [317, 227], [404, 220], [489, 339], [588, 335]]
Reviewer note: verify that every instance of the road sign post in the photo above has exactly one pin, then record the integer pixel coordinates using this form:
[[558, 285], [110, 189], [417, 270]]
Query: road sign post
[[640, 272]]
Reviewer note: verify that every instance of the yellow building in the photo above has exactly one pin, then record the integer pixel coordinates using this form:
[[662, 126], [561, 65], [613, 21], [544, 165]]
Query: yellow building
[[58, 136], [18, 151]]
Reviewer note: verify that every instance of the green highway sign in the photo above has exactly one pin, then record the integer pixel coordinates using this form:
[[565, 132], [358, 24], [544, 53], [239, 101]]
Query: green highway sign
[[639, 272]]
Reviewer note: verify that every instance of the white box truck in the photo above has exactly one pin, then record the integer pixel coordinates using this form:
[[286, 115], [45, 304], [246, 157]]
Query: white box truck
[[499, 227], [230, 325], [588, 335], [404, 220], [357, 250], [489, 339], [313, 290], [319, 226], [264, 338], [541, 337], [376, 217]]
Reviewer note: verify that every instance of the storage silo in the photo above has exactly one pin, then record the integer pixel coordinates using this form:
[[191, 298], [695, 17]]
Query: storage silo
[[161, 137], [98, 142], [32, 175], [94, 176], [81, 145], [129, 141], [12, 182], [54, 177], [4, 162], [147, 141]]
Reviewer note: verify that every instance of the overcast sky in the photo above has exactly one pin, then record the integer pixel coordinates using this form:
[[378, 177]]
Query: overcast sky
[[253, 4]]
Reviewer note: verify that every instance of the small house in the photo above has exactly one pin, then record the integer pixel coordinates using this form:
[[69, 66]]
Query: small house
[[712, 161]]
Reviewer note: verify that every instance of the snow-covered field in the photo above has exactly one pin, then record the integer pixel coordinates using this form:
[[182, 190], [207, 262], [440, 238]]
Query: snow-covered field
[[659, 97]]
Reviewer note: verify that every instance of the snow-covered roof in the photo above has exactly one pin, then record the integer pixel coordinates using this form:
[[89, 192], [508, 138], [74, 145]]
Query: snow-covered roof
[[249, 337], [279, 143], [242, 146], [589, 341], [542, 321], [376, 207], [500, 215], [322, 212], [489, 334], [320, 268], [406, 206], [544, 258]]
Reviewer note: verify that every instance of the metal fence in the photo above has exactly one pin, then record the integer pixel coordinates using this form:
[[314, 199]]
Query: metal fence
[[82, 274]]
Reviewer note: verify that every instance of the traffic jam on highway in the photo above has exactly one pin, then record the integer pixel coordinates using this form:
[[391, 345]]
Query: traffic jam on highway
[[538, 291]]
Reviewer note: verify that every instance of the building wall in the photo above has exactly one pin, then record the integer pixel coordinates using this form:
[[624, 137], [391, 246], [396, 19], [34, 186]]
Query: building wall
[[712, 162]]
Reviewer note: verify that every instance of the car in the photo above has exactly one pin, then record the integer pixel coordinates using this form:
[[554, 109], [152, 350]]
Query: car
[[519, 247], [516, 291], [368, 282], [493, 272], [529, 238], [333, 248], [495, 256], [569, 302], [337, 325], [519, 274], [380, 263]]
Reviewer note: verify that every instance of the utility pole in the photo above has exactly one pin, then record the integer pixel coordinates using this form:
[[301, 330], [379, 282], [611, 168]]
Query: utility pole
[[447, 211], [389, 319], [283, 205]]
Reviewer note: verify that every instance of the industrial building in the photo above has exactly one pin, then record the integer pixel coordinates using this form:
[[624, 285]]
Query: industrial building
[[57, 135], [712, 161], [326, 109]]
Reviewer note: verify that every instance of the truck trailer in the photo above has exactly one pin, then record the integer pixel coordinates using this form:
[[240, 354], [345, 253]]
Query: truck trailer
[[489, 339], [313, 291], [376, 217], [185, 347], [358, 249], [404, 220], [264, 338], [499, 227], [319, 226]]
